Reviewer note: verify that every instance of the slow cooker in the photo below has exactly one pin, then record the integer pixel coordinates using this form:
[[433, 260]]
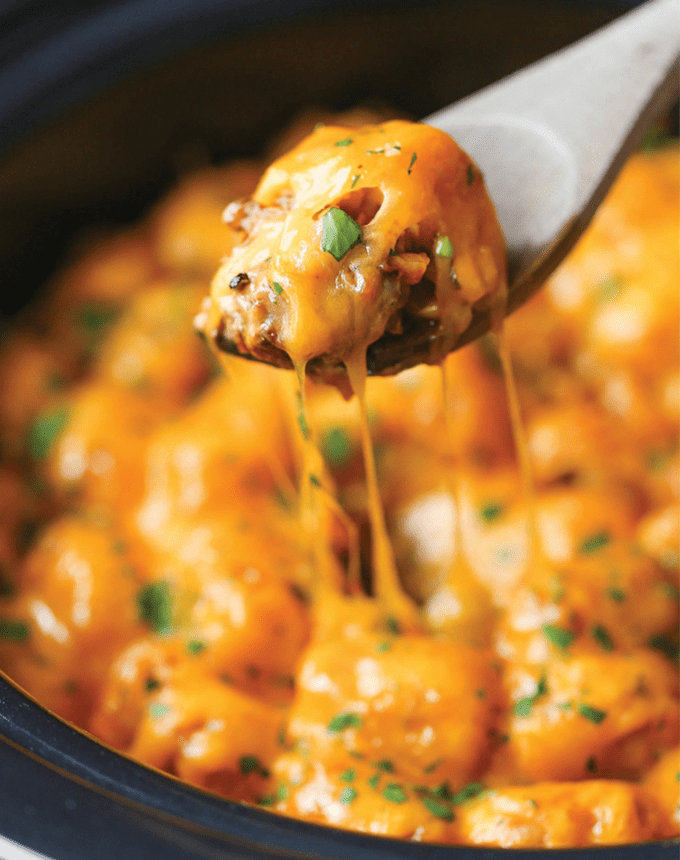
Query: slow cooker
[[96, 102]]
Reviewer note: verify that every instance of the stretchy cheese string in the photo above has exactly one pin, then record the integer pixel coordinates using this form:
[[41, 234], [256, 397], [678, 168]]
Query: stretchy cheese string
[[386, 584], [535, 554]]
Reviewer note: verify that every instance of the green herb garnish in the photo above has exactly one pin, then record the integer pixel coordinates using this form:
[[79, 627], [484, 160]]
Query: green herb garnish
[[278, 289], [414, 158], [154, 603], [348, 795], [602, 637], [157, 709], [340, 233], [559, 636], [251, 764], [595, 542], [618, 595], [524, 705], [302, 417], [393, 626], [93, 318], [436, 808], [470, 174], [491, 512], [609, 289], [386, 765], [337, 447], [348, 775], [44, 431], [444, 248], [591, 765], [663, 643], [347, 720], [194, 646], [381, 647], [472, 789], [16, 631], [394, 793], [374, 780], [345, 142], [593, 714], [355, 179]]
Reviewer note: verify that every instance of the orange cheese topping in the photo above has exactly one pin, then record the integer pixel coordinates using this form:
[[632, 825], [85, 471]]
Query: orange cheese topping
[[156, 582], [340, 245]]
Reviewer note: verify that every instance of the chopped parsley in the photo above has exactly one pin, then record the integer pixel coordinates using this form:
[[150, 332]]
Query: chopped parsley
[[414, 158], [340, 233], [381, 647], [195, 646], [374, 780], [44, 431], [251, 764], [595, 542], [340, 722], [591, 765], [16, 631], [157, 710], [608, 289], [154, 604], [393, 625], [491, 512], [593, 714], [386, 765], [470, 174], [524, 705], [355, 179], [394, 793], [663, 643], [559, 636], [436, 808], [93, 319], [348, 775], [337, 447], [348, 795], [443, 248], [472, 789], [314, 481], [345, 142], [302, 417], [151, 684], [618, 595], [278, 289], [602, 637]]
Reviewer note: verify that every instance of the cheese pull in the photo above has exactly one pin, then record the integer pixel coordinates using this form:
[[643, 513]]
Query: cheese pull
[[379, 241]]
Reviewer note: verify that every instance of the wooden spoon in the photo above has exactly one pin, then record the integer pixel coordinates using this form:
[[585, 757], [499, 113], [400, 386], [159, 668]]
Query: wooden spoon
[[550, 140]]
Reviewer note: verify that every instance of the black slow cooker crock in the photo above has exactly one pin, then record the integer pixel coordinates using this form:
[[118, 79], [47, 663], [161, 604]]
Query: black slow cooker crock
[[97, 102]]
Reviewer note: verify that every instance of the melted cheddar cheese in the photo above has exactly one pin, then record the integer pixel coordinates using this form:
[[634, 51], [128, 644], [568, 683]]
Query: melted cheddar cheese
[[192, 568], [348, 236]]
